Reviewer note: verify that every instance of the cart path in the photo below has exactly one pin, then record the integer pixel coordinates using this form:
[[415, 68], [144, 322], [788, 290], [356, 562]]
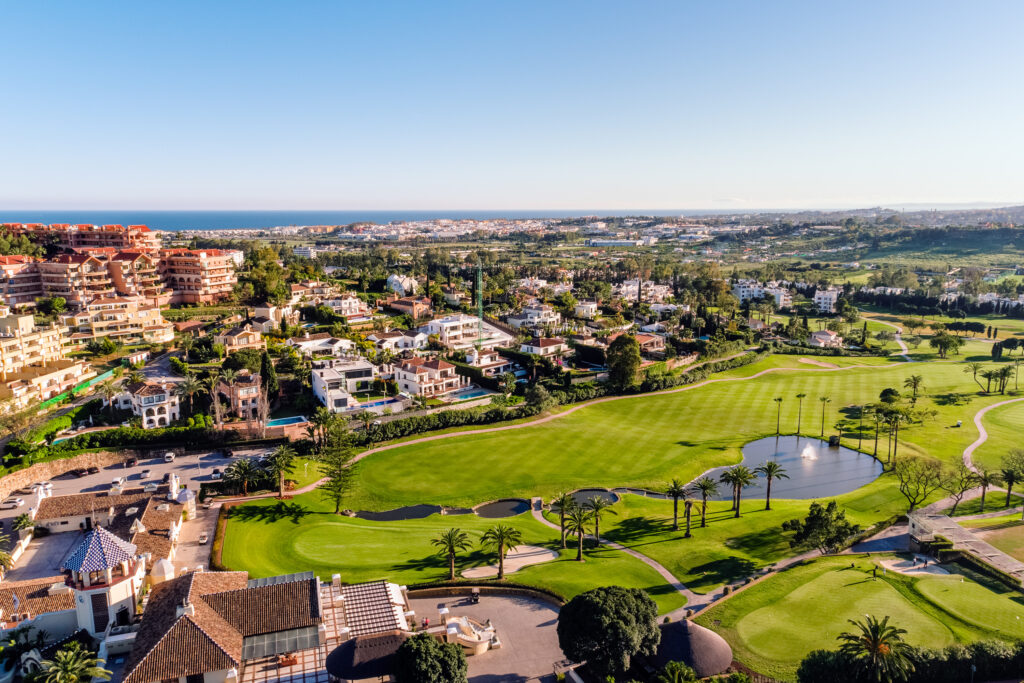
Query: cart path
[[982, 433], [904, 350]]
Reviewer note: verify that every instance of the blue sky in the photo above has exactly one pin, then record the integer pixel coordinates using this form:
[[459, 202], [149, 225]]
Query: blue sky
[[482, 105]]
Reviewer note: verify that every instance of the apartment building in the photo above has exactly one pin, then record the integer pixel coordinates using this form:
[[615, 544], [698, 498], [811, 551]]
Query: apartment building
[[77, 278], [33, 367], [137, 273], [123, 318], [745, 290], [85, 236], [825, 299], [648, 291], [461, 332], [198, 275], [20, 281], [422, 377]]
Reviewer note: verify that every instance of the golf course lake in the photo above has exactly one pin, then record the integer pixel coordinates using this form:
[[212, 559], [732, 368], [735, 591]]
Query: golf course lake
[[815, 469]]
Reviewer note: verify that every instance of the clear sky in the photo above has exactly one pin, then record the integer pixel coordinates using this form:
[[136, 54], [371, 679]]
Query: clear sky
[[504, 105]]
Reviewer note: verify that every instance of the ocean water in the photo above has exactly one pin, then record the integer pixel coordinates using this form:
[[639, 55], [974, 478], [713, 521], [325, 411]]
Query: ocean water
[[233, 220]]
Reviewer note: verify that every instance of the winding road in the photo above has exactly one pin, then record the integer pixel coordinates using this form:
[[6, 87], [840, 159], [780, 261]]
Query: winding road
[[982, 432]]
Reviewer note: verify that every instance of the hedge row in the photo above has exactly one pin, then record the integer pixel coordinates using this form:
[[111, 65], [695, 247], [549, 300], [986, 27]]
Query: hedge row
[[792, 349], [659, 382], [189, 437]]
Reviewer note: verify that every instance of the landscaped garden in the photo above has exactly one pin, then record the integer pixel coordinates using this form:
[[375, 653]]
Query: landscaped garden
[[773, 624]]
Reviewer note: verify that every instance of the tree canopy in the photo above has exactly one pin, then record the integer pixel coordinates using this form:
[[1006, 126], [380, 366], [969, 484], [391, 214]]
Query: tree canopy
[[607, 627]]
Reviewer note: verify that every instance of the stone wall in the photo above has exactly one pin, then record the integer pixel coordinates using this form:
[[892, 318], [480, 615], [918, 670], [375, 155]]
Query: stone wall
[[44, 471]]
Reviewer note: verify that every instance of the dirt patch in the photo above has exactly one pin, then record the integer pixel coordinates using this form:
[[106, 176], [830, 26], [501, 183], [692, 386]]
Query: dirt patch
[[819, 363]]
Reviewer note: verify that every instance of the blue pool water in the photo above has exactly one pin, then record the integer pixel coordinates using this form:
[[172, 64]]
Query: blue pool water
[[373, 404], [471, 393], [281, 421]]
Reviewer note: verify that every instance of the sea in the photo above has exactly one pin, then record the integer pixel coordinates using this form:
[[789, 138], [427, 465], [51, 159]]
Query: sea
[[237, 220]]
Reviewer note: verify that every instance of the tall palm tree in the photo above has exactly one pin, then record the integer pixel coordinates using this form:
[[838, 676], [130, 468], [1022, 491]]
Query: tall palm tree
[[879, 649], [564, 502], [778, 415], [186, 345], [576, 524], [914, 383], [688, 502], [109, 391], [187, 388], [1010, 476], [242, 473], [708, 487], [739, 477], [770, 470], [211, 383], [825, 400], [72, 664], [677, 490], [986, 479], [974, 368], [501, 538], [6, 561], [800, 410], [281, 461], [450, 543], [596, 506]]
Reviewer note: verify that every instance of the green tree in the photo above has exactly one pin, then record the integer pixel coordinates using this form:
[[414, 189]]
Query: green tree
[[596, 506], [708, 488], [825, 528], [825, 400], [987, 479], [564, 502], [268, 375], [607, 627], [72, 664], [280, 463], [800, 410], [623, 358], [337, 466], [576, 522], [508, 383], [675, 672], [676, 489], [914, 383], [187, 388], [424, 659], [958, 482], [449, 544], [778, 414], [1012, 470], [770, 470], [738, 477], [878, 649], [23, 521], [501, 538]]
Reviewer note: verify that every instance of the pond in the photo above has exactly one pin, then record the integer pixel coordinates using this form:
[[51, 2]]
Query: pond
[[583, 495], [509, 507], [815, 469]]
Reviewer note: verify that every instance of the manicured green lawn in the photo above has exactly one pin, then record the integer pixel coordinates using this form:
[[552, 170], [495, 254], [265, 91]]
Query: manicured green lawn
[[647, 440], [1005, 533], [775, 623], [995, 500], [1003, 425], [730, 549], [269, 537]]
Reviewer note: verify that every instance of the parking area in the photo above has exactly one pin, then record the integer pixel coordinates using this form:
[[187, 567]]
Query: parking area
[[525, 625], [44, 556]]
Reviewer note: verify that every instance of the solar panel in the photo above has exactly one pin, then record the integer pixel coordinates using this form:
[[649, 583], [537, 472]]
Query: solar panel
[[283, 578], [270, 644]]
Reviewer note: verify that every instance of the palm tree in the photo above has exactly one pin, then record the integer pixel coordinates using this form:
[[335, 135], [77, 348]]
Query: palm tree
[[186, 345], [211, 383], [688, 502], [825, 400], [987, 478], [778, 414], [677, 490], [6, 561], [576, 524], [135, 377], [708, 487], [974, 368], [596, 505], [449, 544], [1010, 477], [242, 473], [879, 649], [740, 477], [72, 664], [770, 470], [501, 538], [188, 387], [800, 411], [281, 461], [109, 392], [914, 383], [564, 502]]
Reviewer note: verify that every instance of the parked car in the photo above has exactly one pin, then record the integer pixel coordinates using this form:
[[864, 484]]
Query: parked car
[[94, 470], [216, 474], [150, 487], [131, 462], [80, 472], [169, 456], [12, 503], [146, 474], [203, 538], [118, 481]]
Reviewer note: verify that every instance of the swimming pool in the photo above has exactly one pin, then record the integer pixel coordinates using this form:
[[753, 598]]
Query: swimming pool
[[469, 393], [282, 421], [374, 404]]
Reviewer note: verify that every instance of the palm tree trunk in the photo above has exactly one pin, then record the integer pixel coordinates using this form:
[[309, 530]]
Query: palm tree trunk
[[579, 546], [675, 514], [687, 522], [1009, 490], [737, 502], [597, 529], [768, 495], [561, 517], [799, 415], [876, 438], [501, 561], [778, 420], [451, 566], [280, 484], [703, 512], [984, 489]]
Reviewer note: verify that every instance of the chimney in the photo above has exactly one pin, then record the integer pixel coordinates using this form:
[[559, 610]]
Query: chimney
[[185, 609]]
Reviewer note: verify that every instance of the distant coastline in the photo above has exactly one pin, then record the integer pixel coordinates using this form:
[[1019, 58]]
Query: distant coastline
[[237, 220]]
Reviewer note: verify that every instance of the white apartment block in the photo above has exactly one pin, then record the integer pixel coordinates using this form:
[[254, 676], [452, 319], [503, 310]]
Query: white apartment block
[[651, 291], [123, 318], [461, 332], [825, 299], [305, 252], [745, 290]]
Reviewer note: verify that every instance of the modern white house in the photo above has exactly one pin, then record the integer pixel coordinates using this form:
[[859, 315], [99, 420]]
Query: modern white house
[[586, 309], [490, 362], [548, 347], [825, 299], [155, 403], [320, 344], [397, 341], [535, 315], [422, 377], [460, 331], [348, 306]]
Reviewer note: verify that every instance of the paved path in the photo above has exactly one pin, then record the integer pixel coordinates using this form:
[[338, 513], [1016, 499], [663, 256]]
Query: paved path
[[899, 338], [982, 433]]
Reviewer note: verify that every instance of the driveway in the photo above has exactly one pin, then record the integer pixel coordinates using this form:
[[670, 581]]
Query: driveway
[[526, 627]]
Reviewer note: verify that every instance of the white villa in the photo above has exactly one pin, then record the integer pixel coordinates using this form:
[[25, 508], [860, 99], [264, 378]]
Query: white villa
[[335, 379], [422, 377], [320, 344], [586, 309], [825, 339], [548, 347], [401, 285], [155, 403], [535, 315], [398, 340], [461, 332], [490, 362]]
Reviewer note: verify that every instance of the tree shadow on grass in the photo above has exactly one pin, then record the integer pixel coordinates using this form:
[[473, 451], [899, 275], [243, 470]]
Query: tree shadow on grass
[[269, 513], [953, 398], [726, 570], [477, 558], [635, 528], [764, 543]]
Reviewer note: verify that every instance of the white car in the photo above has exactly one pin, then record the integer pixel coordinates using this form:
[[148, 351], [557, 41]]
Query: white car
[[203, 538], [169, 456], [14, 502]]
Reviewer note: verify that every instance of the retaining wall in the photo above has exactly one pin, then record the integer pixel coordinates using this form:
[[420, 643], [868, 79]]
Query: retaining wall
[[44, 471]]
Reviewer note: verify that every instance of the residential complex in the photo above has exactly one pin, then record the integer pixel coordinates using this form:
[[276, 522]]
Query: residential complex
[[33, 366], [198, 276], [20, 282], [825, 299], [71, 237], [745, 290], [125, 319]]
